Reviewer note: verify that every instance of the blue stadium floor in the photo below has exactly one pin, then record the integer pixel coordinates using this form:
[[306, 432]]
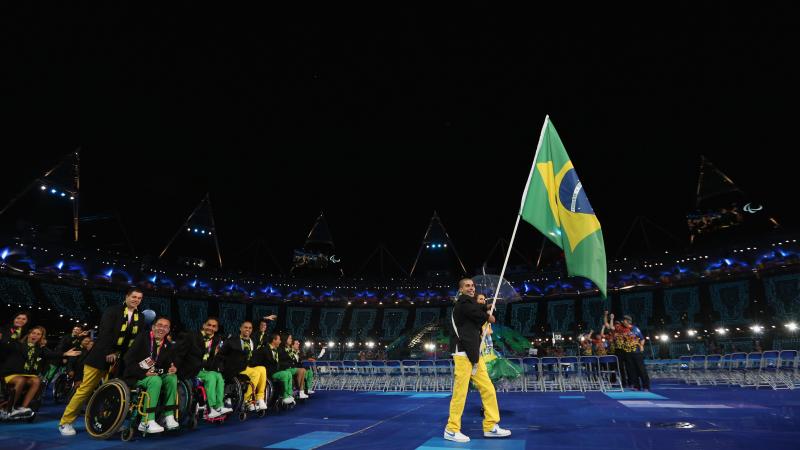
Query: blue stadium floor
[[672, 416]]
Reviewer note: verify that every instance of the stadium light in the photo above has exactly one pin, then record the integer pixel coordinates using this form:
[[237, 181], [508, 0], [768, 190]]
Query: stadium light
[[721, 331], [757, 329], [350, 344], [792, 326], [664, 337], [331, 344]]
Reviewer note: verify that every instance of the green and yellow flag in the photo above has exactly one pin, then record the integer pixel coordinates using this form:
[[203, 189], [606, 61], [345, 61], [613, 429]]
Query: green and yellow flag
[[556, 204]]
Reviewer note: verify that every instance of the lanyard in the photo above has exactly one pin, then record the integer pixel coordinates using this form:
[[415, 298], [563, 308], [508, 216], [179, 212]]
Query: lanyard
[[158, 349]]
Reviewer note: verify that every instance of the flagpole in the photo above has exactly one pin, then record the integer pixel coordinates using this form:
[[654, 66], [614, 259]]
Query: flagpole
[[519, 215]]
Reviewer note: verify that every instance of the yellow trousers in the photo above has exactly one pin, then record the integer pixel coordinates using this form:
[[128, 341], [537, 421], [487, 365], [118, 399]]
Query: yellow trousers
[[462, 376], [257, 376], [91, 378]]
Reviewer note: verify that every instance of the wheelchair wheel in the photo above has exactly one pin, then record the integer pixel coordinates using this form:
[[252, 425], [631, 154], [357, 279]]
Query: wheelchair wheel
[[269, 393], [187, 405], [71, 393], [127, 434], [107, 408], [62, 384], [234, 393]]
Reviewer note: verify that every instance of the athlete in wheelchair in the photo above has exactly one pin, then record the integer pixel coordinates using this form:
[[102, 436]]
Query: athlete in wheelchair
[[246, 383], [69, 380], [200, 367], [137, 397], [25, 359], [279, 367]]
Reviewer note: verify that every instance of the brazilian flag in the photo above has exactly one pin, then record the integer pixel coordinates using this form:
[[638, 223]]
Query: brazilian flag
[[556, 204]]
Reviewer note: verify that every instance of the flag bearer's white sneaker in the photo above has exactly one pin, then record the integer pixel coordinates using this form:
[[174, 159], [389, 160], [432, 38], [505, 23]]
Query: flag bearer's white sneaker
[[261, 405], [66, 429], [214, 413], [455, 436], [302, 395], [497, 432]]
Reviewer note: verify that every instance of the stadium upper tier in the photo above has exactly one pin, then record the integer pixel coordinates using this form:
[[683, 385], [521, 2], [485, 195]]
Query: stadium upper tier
[[661, 270]]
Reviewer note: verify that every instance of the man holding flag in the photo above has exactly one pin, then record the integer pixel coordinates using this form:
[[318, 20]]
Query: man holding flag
[[467, 321], [555, 203]]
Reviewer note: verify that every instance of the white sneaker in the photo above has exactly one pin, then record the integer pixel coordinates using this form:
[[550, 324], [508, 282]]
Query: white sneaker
[[19, 411], [171, 423], [251, 407], [66, 429], [302, 395], [151, 427], [261, 405], [225, 410], [214, 413], [455, 436], [310, 392], [497, 432], [288, 400]]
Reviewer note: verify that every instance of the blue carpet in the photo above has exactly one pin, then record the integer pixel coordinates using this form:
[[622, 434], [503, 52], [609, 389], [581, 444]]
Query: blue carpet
[[309, 440], [634, 395], [713, 418]]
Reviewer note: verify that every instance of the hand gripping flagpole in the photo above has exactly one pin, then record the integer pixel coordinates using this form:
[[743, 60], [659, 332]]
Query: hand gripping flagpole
[[516, 225]]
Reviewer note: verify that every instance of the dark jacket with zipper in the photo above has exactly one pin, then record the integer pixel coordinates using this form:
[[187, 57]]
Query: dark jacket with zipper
[[235, 358], [469, 317], [108, 334], [190, 351], [15, 354], [143, 347]]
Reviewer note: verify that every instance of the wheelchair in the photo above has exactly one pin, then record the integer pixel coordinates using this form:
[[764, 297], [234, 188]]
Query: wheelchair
[[192, 393], [62, 387], [6, 406], [274, 396], [233, 397], [116, 407]]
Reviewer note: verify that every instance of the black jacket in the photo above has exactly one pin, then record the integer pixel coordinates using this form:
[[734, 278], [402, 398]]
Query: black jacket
[[69, 342], [190, 351], [145, 346], [108, 334], [7, 331], [469, 317], [66, 344], [235, 359], [261, 339], [6, 339], [16, 352], [286, 359], [297, 359], [264, 357]]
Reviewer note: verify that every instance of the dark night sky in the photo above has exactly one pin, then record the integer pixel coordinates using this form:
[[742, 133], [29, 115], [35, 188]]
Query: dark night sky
[[381, 116]]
